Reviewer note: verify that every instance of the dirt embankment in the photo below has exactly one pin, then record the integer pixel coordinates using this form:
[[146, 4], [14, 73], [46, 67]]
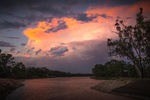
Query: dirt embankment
[[135, 88], [110, 85], [8, 85]]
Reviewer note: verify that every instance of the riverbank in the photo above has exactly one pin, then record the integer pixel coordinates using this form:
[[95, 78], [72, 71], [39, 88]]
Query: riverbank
[[139, 89], [7, 86]]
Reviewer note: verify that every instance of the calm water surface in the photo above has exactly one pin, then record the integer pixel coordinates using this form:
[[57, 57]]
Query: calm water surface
[[73, 88]]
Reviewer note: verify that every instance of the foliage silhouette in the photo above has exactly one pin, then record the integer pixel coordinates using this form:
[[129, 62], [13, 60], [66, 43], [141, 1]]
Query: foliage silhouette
[[133, 43], [114, 68]]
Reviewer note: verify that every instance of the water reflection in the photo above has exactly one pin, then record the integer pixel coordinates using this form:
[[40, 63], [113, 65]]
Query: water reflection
[[72, 88]]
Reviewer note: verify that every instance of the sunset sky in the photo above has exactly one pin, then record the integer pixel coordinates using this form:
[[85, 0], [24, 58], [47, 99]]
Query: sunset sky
[[65, 35]]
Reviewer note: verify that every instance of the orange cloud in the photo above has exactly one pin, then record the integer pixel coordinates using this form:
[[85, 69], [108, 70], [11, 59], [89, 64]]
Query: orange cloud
[[75, 31], [100, 28]]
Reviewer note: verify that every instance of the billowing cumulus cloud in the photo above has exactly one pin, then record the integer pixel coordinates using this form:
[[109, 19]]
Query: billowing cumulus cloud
[[81, 59], [99, 22], [44, 35]]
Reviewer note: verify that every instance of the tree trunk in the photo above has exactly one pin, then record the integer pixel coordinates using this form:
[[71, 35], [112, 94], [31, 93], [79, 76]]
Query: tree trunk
[[140, 73]]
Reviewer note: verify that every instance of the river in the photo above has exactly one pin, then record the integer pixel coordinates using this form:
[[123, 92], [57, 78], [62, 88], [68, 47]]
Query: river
[[68, 88]]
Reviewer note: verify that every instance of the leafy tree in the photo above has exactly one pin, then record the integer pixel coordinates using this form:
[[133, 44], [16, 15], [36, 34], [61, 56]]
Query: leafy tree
[[6, 61], [131, 70], [115, 68], [19, 70], [99, 70], [133, 42]]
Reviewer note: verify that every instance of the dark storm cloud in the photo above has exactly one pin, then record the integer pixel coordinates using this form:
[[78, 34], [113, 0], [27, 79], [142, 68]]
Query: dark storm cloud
[[33, 17], [61, 25], [14, 3], [6, 13], [62, 43], [12, 49], [32, 48], [105, 16], [31, 11], [56, 8], [18, 52], [28, 51], [52, 5], [59, 50], [38, 51], [35, 9], [122, 2], [5, 44], [8, 24], [51, 10], [6, 3], [23, 44], [85, 18], [11, 37]]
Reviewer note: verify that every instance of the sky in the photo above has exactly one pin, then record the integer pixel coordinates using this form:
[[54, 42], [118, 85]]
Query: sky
[[65, 35]]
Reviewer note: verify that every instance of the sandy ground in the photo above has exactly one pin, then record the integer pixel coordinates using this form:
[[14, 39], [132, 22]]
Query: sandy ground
[[73, 88]]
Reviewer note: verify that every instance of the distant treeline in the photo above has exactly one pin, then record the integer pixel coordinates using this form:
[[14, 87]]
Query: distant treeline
[[115, 68], [11, 69]]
